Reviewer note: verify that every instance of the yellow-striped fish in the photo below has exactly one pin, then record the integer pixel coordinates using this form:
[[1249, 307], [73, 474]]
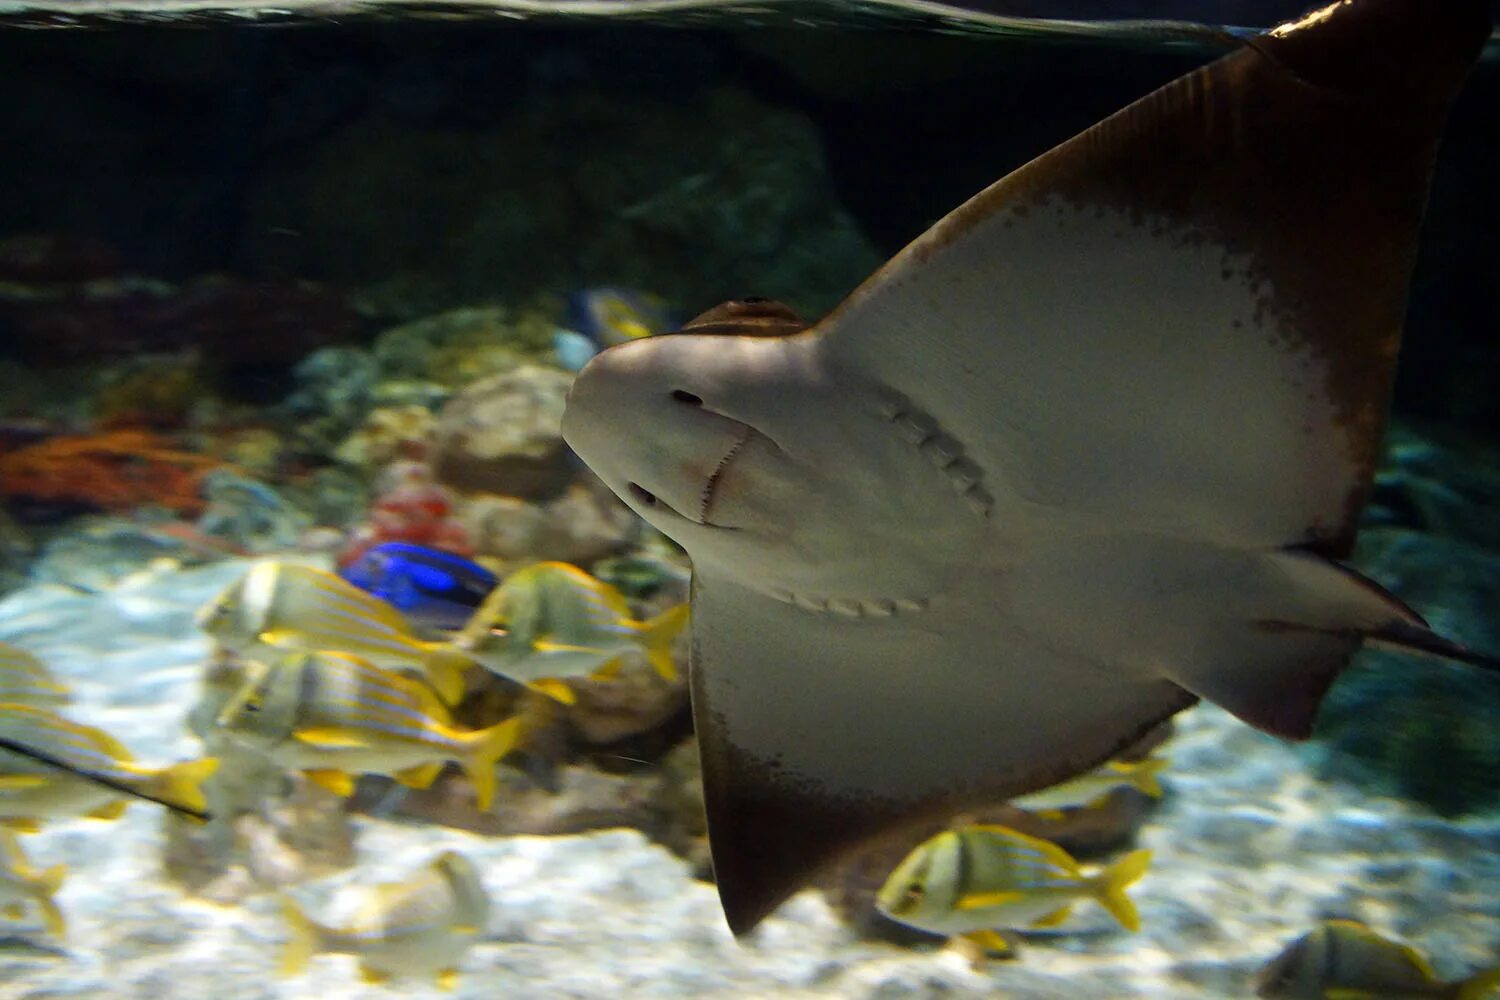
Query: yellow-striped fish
[[1087, 789], [419, 926], [31, 791], [1345, 960], [976, 879], [552, 621], [282, 606], [21, 884], [333, 715], [25, 678]]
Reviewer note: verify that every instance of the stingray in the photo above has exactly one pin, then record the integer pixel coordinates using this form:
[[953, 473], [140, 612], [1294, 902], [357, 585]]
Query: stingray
[[1083, 453]]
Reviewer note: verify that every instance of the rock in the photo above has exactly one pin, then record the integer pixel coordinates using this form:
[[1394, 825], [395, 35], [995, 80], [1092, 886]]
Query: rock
[[586, 523], [503, 435], [388, 433], [249, 515], [1439, 482]]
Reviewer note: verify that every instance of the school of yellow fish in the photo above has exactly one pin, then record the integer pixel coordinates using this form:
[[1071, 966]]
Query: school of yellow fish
[[339, 684]]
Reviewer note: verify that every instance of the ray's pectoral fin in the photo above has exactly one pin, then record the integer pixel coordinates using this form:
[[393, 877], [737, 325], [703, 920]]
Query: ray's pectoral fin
[[1273, 669], [820, 735]]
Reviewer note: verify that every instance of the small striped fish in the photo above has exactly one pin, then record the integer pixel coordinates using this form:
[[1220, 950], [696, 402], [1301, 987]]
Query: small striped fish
[[31, 790], [979, 878], [419, 926], [333, 715], [552, 621], [283, 606], [26, 679]]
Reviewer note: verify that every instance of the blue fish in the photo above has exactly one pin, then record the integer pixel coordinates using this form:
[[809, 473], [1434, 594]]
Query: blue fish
[[429, 586]]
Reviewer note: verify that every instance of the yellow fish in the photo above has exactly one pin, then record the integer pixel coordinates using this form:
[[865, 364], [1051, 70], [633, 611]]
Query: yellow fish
[[20, 884], [1345, 960], [971, 881], [31, 791], [419, 926], [1087, 789], [555, 622], [25, 678], [281, 606], [333, 714]]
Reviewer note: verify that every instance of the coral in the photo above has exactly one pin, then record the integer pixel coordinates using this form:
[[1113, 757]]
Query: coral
[[116, 470], [152, 392], [409, 507]]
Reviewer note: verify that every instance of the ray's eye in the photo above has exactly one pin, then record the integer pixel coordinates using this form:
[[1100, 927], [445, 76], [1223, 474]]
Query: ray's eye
[[642, 496], [914, 893], [686, 398], [252, 704]]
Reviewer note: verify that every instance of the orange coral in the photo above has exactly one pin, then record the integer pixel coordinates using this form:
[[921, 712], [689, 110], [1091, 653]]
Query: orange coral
[[112, 471]]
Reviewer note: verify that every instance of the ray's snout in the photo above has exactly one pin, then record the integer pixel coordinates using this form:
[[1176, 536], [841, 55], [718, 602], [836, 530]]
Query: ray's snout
[[635, 418]]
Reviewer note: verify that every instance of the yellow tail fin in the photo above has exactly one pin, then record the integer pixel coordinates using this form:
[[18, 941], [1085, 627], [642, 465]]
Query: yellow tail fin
[[1110, 885], [657, 638], [1143, 777], [484, 748], [306, 939], [1479, 985], [446, 666], [181, 784]]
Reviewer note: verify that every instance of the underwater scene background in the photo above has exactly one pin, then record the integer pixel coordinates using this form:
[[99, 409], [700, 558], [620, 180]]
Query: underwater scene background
[[290, 291]]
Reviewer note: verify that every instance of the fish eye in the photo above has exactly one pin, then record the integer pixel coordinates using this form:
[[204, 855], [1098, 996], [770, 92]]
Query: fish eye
[[252, 704], [915, 892]]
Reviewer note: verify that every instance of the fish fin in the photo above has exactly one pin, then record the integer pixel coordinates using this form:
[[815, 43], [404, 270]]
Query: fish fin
[[50, 880], [657, 638], [484, 749], [1052, 852], [21, 824], [785, 801], [1242, 161], [1110, 884], [1143, 777], [328, 738], [305, 941], [1479, 985], [1054, 918], [984, 900], [369, 974], [110, 810], [447, 667], [992, 943], [181, 785], [20, 782], [1421, 640], [52, 916], [557, 690], [447, 979], [421, 776], [338, 782]]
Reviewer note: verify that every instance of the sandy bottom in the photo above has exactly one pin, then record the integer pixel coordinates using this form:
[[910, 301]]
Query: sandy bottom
[[1250, 849]]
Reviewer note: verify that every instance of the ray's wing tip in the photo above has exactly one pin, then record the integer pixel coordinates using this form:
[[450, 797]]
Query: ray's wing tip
[[1417, 51]]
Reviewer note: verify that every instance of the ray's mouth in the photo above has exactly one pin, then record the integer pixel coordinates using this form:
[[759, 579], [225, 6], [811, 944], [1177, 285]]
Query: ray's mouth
[[706, 498], [645, 498]]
